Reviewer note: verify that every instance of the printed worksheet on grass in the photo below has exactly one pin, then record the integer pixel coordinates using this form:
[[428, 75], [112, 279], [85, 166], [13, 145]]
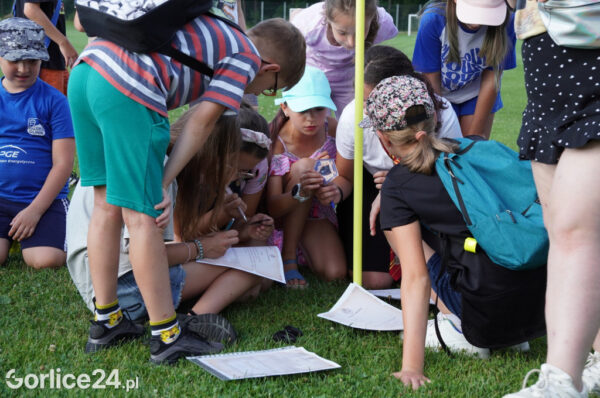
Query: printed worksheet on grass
[[391, 294], [275, 362], [360, 309], [264, 261]]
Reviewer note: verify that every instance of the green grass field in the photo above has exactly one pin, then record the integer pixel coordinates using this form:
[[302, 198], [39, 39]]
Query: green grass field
[[43, 327]]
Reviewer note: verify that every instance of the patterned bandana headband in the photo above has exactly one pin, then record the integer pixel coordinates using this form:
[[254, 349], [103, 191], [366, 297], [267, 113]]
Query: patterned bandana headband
[[256, 137]]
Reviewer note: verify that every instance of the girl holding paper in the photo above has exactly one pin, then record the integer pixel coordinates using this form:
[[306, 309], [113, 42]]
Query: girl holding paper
[[202, 184]]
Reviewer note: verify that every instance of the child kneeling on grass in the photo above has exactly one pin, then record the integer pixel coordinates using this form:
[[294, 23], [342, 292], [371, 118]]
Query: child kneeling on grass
[[500, 307], [36, 149]]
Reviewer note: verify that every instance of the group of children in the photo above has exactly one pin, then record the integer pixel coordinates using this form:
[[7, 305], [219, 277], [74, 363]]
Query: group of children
[[221, 176]]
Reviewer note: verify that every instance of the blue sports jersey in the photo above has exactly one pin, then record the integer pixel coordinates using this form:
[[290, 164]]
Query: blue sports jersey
[[31, 120], [459, 83]]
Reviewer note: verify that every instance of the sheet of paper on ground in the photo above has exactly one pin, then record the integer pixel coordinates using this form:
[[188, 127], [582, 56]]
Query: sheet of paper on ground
[[392, 294], [259, 260], [275, 362], [359, 309]]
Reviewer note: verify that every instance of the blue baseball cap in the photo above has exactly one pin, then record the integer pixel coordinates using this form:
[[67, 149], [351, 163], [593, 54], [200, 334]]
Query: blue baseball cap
[[311, 91]]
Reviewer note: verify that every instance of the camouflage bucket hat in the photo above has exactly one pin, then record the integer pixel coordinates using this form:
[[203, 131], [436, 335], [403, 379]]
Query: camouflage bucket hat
[[22, 39], [389, 100]]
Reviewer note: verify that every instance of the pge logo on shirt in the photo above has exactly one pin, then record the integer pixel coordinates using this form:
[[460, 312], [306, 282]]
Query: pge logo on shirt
[[11, 151], [34, 127]]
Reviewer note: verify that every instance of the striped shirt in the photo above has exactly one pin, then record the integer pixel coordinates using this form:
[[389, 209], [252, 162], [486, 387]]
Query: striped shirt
[[161, 83]]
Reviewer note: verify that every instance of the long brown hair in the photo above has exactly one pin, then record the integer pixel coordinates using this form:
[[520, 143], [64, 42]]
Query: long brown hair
[[201, 183], [349, 7], [495, 42]]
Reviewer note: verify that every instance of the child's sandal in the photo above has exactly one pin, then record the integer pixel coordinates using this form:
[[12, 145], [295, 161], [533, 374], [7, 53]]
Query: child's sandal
[[293, 274]]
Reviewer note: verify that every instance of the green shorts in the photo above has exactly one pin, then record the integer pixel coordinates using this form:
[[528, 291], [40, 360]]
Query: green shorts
[[120, 143]]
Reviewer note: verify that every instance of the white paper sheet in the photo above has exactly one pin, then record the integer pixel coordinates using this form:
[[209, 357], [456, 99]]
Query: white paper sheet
[[359, 309], [393, 294], [259, 260], [275, 362]]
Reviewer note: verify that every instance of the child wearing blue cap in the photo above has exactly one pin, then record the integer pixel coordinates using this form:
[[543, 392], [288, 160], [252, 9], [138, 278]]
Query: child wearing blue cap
[[302, 132], [36, 149]]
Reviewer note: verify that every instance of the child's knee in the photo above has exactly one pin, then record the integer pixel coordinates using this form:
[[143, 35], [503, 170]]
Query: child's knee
[[137, 220], [44, 257], [107, 210], [302, 165], [377, 280], [333, 273]]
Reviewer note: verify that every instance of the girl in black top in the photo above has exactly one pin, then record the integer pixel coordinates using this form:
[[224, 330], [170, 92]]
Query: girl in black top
[[500, 307]]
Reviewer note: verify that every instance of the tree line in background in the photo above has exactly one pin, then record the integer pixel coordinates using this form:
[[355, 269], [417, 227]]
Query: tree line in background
[[254, 9]]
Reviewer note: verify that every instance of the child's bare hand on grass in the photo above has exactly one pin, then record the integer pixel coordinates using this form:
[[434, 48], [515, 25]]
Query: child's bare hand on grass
[[411, 378]]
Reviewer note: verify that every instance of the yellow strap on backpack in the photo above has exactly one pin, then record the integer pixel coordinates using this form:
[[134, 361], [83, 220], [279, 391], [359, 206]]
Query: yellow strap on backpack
[[470, 245]]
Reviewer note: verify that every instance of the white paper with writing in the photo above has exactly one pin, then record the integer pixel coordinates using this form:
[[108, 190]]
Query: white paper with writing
[[264, 261], [275, 362], [360, 309]]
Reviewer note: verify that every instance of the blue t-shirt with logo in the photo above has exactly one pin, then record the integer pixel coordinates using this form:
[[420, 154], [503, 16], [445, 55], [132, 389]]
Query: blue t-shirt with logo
[[459, 83], [30, 121]]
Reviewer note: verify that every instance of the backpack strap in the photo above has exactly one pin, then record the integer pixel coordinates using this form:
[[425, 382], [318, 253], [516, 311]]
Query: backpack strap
[[192, 62], [445, 257], [54, 18], [448, 162], [437, 329], [186, 60]]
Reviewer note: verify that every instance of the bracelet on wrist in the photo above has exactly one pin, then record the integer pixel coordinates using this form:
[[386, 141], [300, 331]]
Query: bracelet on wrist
[[341, 193], [200, 248], [189, 257]]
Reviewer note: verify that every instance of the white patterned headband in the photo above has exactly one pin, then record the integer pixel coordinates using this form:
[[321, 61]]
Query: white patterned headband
[[256, 137]]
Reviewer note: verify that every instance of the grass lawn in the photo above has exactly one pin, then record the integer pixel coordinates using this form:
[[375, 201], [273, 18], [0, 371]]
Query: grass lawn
[[43, 326]]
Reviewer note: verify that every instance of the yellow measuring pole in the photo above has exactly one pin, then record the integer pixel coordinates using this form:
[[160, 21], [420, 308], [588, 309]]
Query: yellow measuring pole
[[358, 140]]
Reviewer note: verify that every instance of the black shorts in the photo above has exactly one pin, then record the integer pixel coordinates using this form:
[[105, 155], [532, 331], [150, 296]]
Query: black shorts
[[50, 229], [376, 251], [563, 99]]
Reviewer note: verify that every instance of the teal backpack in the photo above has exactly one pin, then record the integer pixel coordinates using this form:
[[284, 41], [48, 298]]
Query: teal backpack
[[496, 195]]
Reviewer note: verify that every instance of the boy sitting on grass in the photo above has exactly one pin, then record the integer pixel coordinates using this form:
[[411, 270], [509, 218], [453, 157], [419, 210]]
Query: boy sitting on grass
[[36, 149]]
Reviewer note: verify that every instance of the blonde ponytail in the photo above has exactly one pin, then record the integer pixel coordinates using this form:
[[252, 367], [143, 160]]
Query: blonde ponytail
[[422, 158]]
